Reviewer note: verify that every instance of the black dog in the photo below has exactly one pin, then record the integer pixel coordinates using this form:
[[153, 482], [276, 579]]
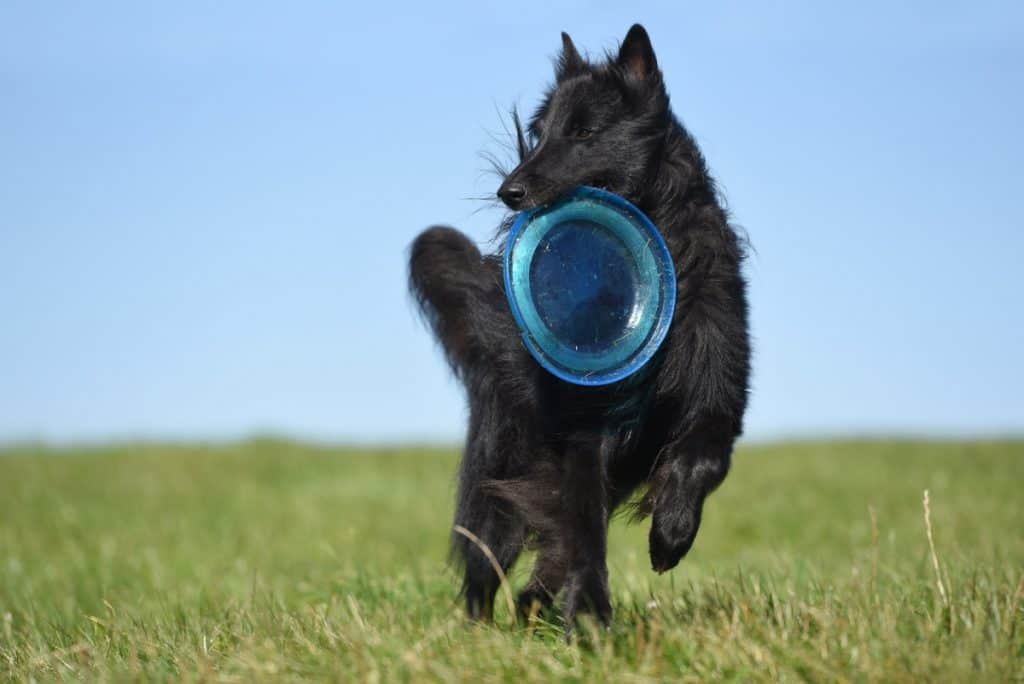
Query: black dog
[[546, 462]]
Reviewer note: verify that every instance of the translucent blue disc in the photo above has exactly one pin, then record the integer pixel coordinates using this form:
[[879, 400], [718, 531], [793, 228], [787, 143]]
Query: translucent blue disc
[[592, 286]]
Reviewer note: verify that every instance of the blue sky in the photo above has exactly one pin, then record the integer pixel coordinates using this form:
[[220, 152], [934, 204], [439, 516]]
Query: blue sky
[[204, 209]]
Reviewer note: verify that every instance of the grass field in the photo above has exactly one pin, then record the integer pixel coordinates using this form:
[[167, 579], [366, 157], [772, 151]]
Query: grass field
[[271, 559]]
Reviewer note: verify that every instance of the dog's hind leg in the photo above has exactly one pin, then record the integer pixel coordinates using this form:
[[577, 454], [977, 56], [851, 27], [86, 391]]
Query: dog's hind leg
[[495, 522], [461, 295], [496, 528], [500, 533]]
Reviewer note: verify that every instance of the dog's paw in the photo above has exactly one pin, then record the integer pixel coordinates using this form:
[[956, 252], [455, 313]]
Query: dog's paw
[[671, 537], [532, 602], [479, 606]]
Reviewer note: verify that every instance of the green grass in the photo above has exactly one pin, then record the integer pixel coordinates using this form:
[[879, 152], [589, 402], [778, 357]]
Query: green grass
[[270, 559]]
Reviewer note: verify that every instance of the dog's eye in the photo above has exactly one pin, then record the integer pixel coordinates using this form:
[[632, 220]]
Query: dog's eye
[[583, 133]]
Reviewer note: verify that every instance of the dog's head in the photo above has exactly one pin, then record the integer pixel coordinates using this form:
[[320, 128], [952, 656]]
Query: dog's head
[[600, 124]]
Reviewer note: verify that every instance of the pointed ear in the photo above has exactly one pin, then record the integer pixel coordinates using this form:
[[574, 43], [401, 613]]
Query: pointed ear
[[569, 61], [636, 56]]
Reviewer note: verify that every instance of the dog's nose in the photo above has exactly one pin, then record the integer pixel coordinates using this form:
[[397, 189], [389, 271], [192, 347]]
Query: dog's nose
[[512, 194]]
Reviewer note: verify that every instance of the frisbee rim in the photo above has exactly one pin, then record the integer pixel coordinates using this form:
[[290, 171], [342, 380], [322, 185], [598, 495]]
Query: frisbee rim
[[666, 286]]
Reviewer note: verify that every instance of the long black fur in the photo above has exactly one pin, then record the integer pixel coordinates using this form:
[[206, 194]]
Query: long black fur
[[547, 462]]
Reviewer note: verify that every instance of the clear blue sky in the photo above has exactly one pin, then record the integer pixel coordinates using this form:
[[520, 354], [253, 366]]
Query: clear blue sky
[[205, 207]]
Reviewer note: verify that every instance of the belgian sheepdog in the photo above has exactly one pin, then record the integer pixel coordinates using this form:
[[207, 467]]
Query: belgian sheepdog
[[546, 462]]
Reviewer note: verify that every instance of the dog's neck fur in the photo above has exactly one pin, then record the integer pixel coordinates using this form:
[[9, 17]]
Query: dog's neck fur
[[681, 179]]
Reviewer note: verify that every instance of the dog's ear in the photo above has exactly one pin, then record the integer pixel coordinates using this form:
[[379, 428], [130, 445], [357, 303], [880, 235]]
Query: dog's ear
[[569, 61], [636, 56]]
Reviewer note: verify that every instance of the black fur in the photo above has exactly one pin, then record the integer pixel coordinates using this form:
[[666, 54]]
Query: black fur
[[547, 462]]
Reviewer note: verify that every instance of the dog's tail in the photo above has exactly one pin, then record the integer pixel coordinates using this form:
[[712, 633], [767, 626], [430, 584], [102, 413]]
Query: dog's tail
[[460, 295]]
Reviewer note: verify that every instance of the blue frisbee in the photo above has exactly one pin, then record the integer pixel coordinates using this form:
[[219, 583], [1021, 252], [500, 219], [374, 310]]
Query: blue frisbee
[[591, 285]]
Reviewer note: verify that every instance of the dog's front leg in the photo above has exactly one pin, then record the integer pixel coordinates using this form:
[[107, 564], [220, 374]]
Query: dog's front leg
[[689, 469], [702, 394], [585, 500]]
